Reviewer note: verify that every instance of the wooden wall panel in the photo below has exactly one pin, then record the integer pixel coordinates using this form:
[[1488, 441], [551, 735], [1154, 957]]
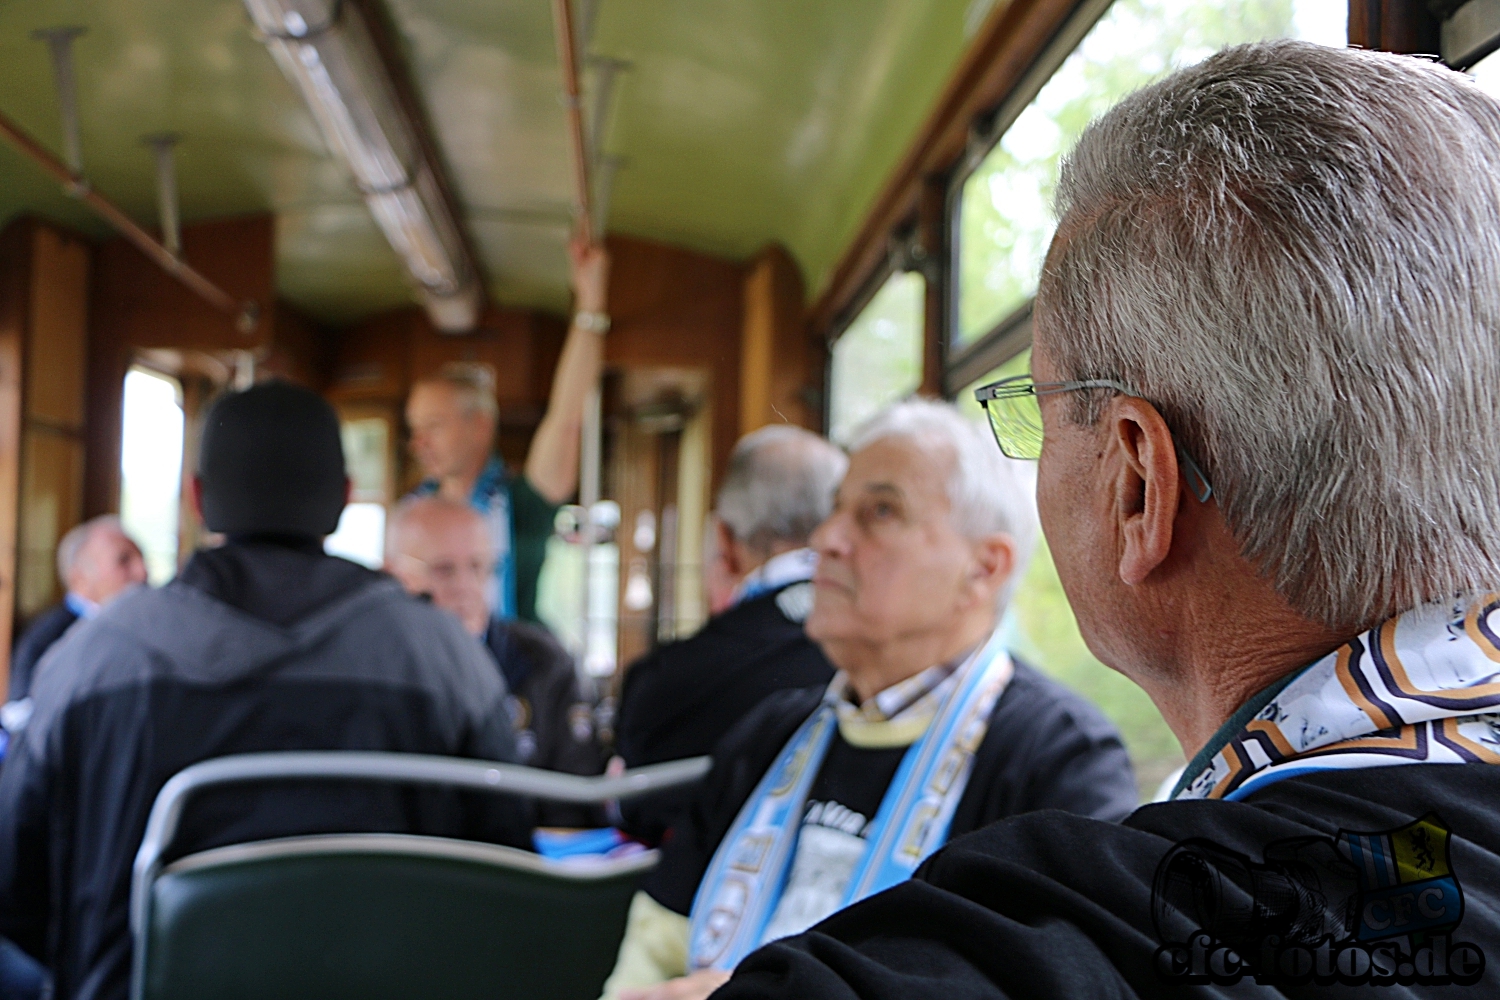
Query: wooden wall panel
[[1404, 26], [51, 505], [53, 408], [674, 308], [781, 366], [376, 362], [15, 280], [137, 307], [57, 348]]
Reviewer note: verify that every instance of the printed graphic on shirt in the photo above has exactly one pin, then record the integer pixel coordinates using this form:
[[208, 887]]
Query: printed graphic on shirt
[[1378, 908], [829, 848]]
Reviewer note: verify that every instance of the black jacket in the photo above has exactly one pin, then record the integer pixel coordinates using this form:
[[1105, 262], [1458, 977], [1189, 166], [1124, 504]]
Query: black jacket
[[253, 648], [681, 699], [554, 723], [1060, 907], [1046, 748], [44, 630]]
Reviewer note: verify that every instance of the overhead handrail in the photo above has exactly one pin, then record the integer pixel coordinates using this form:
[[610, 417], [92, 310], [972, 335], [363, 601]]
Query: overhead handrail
[[246, 314], [422, 769]]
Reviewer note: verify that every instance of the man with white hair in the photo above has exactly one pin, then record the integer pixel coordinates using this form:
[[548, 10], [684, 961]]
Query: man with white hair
[[823, 796], [440, 550], [680, 699], [1265, 374], [96, 562]]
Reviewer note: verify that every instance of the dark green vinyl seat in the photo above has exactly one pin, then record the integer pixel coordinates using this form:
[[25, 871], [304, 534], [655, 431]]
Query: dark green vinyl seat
[[378, 916]]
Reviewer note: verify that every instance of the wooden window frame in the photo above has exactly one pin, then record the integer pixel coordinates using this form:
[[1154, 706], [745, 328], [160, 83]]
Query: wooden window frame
[[1013, 55], [913, 209]]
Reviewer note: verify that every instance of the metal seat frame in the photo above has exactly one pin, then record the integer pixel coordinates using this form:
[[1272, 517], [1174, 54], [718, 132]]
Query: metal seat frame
[[404, 768]]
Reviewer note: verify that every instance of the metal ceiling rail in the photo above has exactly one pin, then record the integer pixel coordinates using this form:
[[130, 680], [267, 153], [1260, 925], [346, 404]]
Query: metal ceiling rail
[[245, 313], [567, 57]]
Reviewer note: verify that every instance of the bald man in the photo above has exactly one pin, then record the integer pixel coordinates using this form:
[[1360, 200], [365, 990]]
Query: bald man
[[442, 549], [97, 562]]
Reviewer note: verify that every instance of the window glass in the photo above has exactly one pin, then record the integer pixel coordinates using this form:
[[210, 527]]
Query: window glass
[[1005, 219], [360, 535], [1043, 632], [1486, 73], [878, 359], [151, 469]]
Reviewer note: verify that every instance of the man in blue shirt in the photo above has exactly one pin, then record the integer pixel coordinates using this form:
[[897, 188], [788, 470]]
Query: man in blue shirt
[[452, 417]]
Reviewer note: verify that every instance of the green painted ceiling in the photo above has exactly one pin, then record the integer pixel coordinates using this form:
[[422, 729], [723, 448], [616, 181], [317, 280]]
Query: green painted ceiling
[[741, 122]]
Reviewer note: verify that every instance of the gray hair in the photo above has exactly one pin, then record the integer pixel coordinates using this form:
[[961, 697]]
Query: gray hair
[[1291, 250], [412, 508], [779, 486], [987, 492], [473, 382], [73, 542]]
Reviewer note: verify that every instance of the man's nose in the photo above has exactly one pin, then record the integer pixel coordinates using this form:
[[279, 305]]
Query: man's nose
[[831, 537]]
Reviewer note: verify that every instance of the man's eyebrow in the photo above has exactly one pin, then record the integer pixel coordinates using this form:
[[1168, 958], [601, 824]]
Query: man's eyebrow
[[883, 488]]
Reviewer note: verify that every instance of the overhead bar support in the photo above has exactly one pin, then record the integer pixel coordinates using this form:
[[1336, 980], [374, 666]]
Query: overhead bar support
[[246, 314], [162, 147], [60, 45]]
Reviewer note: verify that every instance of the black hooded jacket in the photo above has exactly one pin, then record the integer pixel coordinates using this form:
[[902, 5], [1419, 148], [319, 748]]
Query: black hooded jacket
[[256, 647]]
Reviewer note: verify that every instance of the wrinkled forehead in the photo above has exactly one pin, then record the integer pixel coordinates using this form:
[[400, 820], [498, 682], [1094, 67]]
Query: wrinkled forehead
[[444, 533], [432, 399], [104, 541], [914, 468]]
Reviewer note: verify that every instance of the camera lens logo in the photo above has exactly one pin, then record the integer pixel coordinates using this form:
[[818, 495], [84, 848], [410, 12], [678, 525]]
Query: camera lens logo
[[1356, 908]]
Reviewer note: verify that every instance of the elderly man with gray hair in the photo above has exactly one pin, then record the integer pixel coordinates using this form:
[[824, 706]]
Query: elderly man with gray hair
[[679, 700], [825, 795], [1265, 373], [96, 562]]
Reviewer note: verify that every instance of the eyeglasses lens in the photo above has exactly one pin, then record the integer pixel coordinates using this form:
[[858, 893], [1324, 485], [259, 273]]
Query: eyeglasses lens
[[1017, 423]]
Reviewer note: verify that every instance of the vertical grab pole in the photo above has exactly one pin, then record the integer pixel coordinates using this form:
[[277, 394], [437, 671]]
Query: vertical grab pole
[[567, 57]]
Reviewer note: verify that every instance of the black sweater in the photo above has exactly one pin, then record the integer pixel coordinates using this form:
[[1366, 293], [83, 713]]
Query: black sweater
[[256, 647], [1060, 907], [681, 699], [1046, 748]]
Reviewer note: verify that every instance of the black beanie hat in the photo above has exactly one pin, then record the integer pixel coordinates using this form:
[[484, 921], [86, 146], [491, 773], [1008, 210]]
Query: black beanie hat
[[272, 463]]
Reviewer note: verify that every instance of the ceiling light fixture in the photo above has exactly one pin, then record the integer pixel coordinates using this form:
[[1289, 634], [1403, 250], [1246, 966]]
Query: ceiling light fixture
[[326, 49]]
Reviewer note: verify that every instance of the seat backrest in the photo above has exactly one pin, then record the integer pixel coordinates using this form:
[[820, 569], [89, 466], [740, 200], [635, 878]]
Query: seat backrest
[[377, 916]]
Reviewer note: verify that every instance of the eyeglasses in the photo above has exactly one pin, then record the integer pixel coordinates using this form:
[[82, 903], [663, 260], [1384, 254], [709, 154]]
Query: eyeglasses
[[1015, 415]]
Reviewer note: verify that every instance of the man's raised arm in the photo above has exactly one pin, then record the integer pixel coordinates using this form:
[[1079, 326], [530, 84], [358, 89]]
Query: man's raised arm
[[552, 462]]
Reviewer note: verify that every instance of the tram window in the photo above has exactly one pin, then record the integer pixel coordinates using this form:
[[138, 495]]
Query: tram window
[[1004, 220], [1486, 73], [151, 468], [360, 536], [878, 358]]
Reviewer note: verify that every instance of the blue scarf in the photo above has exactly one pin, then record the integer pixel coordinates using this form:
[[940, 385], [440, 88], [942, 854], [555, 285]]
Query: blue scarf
[[744, 881]]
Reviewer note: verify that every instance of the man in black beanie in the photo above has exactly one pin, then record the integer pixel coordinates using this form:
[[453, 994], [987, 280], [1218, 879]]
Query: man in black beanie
[[265, 643]]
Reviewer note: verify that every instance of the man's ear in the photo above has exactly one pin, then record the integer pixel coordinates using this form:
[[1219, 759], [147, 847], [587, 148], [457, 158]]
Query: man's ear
[[995, 559], [1148, 487], [727, 551]]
